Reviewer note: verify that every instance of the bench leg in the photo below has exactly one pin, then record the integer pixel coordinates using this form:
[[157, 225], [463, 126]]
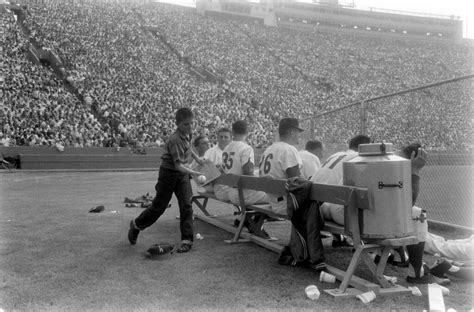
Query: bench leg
[[240, 227], [375, 270], [350, 270], [203, 205], [383, 260]]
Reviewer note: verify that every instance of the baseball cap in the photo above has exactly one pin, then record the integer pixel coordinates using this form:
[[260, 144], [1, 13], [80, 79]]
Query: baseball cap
[[288, 123]]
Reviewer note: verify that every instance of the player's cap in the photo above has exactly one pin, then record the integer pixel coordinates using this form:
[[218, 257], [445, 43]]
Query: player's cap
[[289, 123]]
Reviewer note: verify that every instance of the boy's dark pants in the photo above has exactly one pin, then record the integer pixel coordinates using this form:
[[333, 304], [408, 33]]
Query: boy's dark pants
[[169, 182]]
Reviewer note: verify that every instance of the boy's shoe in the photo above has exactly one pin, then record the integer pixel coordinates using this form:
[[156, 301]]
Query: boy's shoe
[[133, 233], [184, 248]]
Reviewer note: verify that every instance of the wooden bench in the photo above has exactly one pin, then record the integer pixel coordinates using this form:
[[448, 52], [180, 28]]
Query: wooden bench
[[203, 196], [354, 199]]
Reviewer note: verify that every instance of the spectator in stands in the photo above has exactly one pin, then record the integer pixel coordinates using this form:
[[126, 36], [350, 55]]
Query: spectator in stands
[[119, 71]]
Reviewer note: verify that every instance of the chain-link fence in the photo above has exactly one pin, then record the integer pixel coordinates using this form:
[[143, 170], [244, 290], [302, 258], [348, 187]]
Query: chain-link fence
[[439, 117]]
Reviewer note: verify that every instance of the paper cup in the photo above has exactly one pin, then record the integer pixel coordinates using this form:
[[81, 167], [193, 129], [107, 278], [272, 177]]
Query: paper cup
[[415, 291], [366, 297], [391, 279], [326, 277], [444, 290], [312, 292]]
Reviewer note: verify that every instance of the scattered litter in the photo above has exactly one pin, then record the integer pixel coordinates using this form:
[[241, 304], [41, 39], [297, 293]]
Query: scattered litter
[[113, 211], [326, 277], [199, 236], [132, 205], [415, 291], [143, 201], [451, 310], [97, 209], [391, 279], [444, 290], [312, 292], [435, 298], [366, 297]]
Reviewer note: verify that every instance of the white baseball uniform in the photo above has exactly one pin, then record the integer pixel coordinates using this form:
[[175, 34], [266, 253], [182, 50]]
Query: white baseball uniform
[[234, 157], [310, 165], [331, 173], [214, 154], [274, 162]]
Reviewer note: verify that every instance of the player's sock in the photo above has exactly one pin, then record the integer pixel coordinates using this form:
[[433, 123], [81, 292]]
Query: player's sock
[[415, 256]]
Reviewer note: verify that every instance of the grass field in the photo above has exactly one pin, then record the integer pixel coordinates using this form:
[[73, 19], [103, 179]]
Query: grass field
[[55, 256]]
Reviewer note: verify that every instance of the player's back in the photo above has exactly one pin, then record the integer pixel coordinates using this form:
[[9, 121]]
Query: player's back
[[310, 165], [235, 156], [277, 158], [331, 170]]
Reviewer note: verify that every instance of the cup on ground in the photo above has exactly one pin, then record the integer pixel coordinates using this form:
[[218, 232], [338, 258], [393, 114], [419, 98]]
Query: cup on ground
[[312, 292], [326, 277], [366, 297]]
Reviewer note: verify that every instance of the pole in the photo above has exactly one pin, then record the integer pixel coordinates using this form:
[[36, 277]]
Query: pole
[[363, 118], [393, 94]]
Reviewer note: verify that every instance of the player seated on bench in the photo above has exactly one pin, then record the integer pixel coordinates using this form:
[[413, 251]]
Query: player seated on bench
[[238, 159], [214, 154], [311, 157], [331, 173], [282, 161]]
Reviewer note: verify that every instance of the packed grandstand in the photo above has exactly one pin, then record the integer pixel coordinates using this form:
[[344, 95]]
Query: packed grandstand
[[120, 82]]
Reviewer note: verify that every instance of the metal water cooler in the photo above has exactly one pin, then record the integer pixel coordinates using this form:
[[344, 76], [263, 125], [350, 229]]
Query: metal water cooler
[[388, 180]]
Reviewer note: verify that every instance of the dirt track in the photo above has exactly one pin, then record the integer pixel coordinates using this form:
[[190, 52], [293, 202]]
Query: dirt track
[[57, 256]]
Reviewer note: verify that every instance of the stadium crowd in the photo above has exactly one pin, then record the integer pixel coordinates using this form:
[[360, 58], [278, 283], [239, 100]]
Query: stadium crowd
[[36, 109], [132, 82]]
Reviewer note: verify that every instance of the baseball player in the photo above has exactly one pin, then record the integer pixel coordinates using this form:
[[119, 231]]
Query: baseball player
[[281, 159], [214, 154], [330, 172], [238, 158], [310, 157]]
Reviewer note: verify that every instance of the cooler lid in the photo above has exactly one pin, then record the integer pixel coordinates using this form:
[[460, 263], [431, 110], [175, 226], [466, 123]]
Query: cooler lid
[[376, 149]]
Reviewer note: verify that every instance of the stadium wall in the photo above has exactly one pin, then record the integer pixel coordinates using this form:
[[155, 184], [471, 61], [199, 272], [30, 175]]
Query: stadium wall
[[85, 158], [46, 157], [447, 27]]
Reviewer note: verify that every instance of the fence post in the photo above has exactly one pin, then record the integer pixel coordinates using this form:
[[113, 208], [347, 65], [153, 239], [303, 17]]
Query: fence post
[[363, 118]]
